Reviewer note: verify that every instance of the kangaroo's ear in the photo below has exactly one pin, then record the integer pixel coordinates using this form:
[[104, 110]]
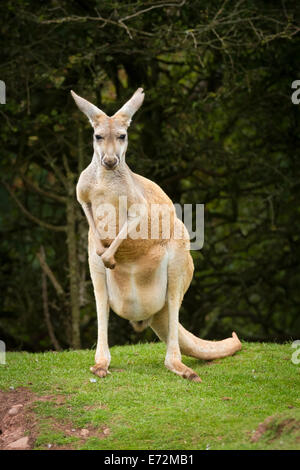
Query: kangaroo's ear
[[132, 105], [89, 109]]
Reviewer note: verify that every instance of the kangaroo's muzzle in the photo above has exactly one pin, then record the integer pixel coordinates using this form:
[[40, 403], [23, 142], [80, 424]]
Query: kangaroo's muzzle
[[110, 162]]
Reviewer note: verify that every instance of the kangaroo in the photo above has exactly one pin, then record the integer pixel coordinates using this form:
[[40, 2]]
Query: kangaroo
[[141, 278]]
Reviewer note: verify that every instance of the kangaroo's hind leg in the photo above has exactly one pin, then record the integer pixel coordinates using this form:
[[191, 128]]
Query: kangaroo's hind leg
[[166, 322], [97, 270]]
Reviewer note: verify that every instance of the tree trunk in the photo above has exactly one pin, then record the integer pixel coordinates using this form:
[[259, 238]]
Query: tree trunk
[[47, 313], [73, 266]]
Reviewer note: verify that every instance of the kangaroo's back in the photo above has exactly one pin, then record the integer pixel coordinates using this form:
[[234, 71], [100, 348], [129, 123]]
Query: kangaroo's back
[[152, 192]]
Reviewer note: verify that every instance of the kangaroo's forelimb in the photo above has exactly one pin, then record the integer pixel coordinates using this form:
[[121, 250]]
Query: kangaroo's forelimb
[[87, 209], [131, 224]]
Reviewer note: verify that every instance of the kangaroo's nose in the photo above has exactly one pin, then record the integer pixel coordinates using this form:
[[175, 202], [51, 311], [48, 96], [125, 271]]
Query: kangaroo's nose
[[110, 163]]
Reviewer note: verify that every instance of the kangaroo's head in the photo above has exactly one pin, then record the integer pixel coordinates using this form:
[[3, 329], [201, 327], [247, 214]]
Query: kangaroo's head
[[110, 133]]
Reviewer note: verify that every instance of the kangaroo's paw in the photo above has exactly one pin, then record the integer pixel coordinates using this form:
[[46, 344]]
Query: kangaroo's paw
[[185, 372], [99, 370], [108, 260], [100, 250]]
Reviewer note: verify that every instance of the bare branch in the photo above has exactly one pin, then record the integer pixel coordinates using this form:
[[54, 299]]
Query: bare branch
[[56, 228], [70, 19], [162, 5], [47, 270], [43, 192], [49, 159]]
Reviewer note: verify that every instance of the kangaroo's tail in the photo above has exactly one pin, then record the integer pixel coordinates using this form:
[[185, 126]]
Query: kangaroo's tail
[[190, 345]]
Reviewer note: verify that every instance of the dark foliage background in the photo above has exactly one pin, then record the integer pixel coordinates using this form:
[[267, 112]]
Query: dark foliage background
[[217, 127]]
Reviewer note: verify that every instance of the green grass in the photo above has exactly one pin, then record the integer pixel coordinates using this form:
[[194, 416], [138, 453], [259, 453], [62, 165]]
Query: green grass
[[147, 407]]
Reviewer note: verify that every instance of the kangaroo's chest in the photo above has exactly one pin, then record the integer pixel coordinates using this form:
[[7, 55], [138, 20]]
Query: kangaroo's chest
[[110, 205], [137, 290]]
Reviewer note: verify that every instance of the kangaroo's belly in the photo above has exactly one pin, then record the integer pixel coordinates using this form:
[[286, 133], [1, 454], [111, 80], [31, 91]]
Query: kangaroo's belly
[[137, 290]]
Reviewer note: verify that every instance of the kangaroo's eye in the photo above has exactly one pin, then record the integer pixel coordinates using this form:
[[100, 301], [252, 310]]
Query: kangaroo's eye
[[98, 137], [122, 136]]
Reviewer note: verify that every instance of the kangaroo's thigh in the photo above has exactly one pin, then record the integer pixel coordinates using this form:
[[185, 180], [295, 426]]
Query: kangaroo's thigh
[[166, 322]]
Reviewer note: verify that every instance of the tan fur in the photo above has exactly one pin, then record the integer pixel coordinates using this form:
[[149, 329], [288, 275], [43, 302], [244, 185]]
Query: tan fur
[[142, 280]]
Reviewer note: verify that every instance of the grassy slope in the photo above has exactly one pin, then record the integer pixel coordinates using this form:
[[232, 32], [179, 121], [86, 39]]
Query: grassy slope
[[147, 407]]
